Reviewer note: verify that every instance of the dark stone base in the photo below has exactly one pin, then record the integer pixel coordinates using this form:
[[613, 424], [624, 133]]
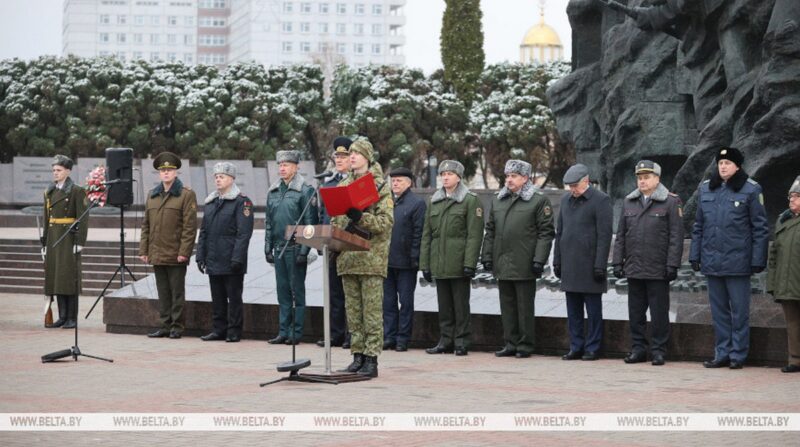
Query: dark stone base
[[688, 342]]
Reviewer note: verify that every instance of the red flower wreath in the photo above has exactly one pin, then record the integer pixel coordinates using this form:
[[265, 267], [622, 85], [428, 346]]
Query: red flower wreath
[[95, 189]]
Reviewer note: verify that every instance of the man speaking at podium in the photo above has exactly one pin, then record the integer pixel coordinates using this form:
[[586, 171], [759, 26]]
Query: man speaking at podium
[[363, 272]]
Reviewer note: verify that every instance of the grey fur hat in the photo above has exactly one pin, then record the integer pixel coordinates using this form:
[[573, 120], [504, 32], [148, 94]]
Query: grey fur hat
[[288, 156], [795, 186], [225, 167], [63, 161], [452, 166], [518, 167]]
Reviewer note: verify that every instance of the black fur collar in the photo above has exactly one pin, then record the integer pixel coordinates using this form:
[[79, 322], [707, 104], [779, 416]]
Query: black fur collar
[[174, 190], [735, 183]]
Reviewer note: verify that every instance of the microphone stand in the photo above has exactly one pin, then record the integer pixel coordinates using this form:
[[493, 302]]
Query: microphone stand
[[295, 365], [74, 351]]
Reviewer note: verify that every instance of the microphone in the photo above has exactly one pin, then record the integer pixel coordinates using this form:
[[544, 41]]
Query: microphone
[[323, 175], [115, 181]]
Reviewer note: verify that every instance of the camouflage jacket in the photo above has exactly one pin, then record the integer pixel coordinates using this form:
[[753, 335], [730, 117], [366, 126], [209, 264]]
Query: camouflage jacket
[[377, 219]]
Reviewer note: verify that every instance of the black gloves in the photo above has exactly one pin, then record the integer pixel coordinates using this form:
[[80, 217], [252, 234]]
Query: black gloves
[[557, 270], [672, 273], [538, 269], [428, 276], [599, 275], [756, 269], [469, 272], [301, 260], [270, 258], [354, 214], [695, 266], [202, 267], [487, 266], [43, 241], [237, 267], [618, 273]]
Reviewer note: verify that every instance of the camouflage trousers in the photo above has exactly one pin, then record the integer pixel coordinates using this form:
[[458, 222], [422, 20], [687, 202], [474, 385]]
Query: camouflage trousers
[[363, 302]]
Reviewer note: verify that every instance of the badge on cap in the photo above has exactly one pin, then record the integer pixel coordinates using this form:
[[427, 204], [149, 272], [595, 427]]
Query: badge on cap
[[723, 152]]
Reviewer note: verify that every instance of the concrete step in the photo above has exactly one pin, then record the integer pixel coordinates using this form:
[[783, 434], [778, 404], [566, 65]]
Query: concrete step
[[86, 274], [39, 289], [107, 265], [85, 258], [97, 244], [90, 283]]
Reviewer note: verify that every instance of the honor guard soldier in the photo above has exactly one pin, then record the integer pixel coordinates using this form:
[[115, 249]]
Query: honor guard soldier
[[401, 277], [339, 334], [286, 200], [168, 233], [451, 244], [222, 251], [783, 276], [648, 251], [730, 239], [580, 258], [64, 201], [516, 248], [363, 272]]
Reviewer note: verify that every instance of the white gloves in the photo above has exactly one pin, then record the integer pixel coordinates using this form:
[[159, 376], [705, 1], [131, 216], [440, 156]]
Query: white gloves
[[77, 249], [44, 253]]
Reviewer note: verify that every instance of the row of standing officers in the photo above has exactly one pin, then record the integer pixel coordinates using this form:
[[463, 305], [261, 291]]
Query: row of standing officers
[[446, 241]]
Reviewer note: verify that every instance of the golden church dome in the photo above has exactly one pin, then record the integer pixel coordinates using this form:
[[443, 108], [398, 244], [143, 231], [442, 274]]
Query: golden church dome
[[541, 34], [541, 43]]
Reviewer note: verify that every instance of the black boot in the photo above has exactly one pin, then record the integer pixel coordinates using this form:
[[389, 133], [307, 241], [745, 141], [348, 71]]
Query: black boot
[[370, 368], [358, 362], [72, 312], [62, 311]]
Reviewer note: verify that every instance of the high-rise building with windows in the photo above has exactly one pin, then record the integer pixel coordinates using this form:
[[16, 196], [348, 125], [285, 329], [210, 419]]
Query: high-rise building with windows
[[271, 32]]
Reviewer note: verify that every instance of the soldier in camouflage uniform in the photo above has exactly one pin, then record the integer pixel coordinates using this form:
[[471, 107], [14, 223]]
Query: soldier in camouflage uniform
[[64, 202], [363, 272], [451, 243]]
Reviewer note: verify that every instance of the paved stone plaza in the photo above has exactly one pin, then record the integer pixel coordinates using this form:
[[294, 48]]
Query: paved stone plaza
[[190, 376]]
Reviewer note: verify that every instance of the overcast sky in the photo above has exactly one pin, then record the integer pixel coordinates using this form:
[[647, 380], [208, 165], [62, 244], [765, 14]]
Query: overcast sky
[[31, 28]]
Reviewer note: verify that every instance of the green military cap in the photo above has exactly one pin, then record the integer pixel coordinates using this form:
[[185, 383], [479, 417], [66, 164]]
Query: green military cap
[[452, 166], [341, 146], [167, 160], [63, 161], [364, 147], [648, 167]]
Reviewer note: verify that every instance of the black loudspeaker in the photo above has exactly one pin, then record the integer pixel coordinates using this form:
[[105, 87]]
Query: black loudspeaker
[[119, 174]]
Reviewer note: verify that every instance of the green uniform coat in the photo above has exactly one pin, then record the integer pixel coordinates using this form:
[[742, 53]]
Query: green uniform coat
[[520, 232], [377, 219], [61, 268], [783, 278], [170, 224], [452, 235]]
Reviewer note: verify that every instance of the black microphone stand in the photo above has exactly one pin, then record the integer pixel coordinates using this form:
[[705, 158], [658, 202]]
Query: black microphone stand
[[74, 351], [295, 365]]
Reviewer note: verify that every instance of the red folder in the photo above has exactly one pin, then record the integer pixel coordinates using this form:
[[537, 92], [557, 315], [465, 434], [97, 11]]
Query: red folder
[[359, 194]]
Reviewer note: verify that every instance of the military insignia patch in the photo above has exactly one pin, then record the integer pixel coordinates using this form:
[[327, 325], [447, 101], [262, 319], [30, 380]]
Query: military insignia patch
[[479, 212], [548, 211], [736, 203], [390, 203], [246, 211]]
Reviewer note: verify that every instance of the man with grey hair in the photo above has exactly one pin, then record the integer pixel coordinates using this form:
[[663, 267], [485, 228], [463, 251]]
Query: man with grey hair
[[222, 251], [580, 258], [648, 251], [451, 244], [286, 200], [516, 247]]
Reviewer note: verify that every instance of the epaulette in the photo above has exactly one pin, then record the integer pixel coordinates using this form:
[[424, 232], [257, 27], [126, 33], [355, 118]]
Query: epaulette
[[751, 181], [672, 194], [706, 181], [187, 188], [472, 193]]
